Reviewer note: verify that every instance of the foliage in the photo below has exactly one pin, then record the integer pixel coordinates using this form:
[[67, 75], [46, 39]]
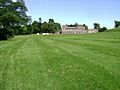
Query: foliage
[[58, 27], [6, 33], [51, 21], [102, 29], [18, 30], [40, 24], [12, 14], [46, 27], [86, 27], [117, 23], [73, 25], [35, 27], [96, 26], [76, 24], [29, 29]]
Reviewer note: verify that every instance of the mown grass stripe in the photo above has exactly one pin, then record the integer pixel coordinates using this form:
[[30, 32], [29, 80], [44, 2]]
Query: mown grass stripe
[[61, 62]]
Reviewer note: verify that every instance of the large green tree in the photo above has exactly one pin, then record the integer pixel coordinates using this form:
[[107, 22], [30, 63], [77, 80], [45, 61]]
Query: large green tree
[[12, 15]]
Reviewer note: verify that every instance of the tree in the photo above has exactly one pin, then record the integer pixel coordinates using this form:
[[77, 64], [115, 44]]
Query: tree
[[50, 27], [58, 27], [96, 26], [40, 20], [6, 19], [40, 24], [102, 29], [30, 20], [35, 28], [76, 24], [86, 27], [12, 14], [45, 28], [29, 29], [117, 23], [51, 21]]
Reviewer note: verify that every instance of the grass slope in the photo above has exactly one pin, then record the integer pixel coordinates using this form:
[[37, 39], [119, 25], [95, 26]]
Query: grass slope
[[61, 62]]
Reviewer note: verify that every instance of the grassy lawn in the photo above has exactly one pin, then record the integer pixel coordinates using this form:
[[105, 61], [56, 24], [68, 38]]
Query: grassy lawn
[[61, 62]]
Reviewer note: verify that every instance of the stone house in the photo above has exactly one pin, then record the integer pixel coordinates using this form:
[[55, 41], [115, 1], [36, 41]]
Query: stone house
[[79, 29]]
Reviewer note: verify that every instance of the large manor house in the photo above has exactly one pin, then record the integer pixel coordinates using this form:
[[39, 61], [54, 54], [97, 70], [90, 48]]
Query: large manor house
[[79, 29]]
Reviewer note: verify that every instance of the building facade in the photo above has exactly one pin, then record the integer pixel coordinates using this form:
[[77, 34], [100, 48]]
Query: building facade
[[79, 29]]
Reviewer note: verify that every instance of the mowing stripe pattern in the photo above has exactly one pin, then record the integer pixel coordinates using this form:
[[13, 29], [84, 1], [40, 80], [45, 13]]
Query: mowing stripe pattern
[[61, 62]]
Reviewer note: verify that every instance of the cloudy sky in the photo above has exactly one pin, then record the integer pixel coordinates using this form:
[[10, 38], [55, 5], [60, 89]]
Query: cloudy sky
[[71, 11]]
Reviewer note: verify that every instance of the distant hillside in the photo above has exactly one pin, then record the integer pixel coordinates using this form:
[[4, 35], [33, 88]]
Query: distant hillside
[[114, 30]]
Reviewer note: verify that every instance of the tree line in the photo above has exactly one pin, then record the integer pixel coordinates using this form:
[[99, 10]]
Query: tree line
[[38, 27], [14, 21], [100, 29], [46, 27]]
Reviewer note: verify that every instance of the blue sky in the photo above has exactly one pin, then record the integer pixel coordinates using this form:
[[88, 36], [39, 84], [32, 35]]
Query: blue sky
[[72, 11]]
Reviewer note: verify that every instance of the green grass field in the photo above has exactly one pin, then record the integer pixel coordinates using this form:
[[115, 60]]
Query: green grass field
[[61, 62]]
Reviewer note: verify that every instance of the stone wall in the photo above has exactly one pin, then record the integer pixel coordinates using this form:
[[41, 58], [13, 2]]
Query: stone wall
[[74, 32]]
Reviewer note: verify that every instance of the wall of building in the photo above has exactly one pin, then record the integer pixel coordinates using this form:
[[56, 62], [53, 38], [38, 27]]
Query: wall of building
[[80, 29], [74, 32]]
